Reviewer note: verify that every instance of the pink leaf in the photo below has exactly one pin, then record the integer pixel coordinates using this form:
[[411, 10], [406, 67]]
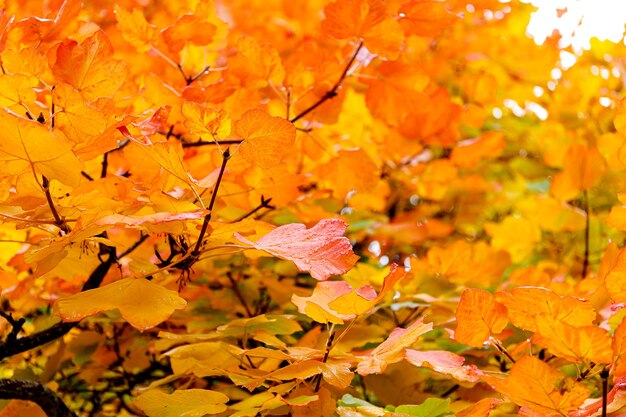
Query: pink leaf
[[443, 362], [321, 250]]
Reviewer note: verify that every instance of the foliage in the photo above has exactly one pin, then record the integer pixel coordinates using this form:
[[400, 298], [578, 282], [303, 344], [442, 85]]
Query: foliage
[[308, 208]]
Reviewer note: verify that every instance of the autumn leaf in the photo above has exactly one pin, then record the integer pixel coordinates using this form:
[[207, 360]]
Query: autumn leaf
[[267, 139], [425, 17], [28, 146], [181, 403], [203, 121], [478, 317], [577, 344], [320, 250], [480, 409], [135, 29], [444, 362], [535, 384], [393, 349], [88, 66], [336, 301], [525, 304], [142, 303], [366, 19]]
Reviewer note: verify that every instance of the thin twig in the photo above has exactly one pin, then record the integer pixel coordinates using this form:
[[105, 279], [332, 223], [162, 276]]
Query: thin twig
[[16, 325], [134, 246], [265, 203], [333, 91], [58, 220], [235, 288], [212, 142], [604, 374], [207, 218], [329, 345], [586, 255]]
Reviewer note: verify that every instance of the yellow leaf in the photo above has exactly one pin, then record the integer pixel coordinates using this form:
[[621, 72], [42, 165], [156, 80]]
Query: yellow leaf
[[202, 120], [267, 139], [181, 403], [516, 235], [26, 145], [142, 303]]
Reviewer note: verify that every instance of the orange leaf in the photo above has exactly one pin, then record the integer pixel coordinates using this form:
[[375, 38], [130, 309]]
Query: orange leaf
[[135, 29], [619, 350], [615, 280], [141, 303], [316, 306], [366, 19], [583, 169], [535, 384], [478, 316], [480, 409], [336, 301], [444, 362], [320, 250], [188, 28], [365, 298], [576, 344], [426, 17], [393, 349], [524, 304], [615, 399], [201, 120], [88, 66], [267, 139]]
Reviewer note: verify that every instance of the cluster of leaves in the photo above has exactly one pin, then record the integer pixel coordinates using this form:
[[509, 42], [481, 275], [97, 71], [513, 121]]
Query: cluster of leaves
[[307, 208]]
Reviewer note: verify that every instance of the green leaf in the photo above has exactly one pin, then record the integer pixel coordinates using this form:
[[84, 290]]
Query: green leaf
[[432, 407]]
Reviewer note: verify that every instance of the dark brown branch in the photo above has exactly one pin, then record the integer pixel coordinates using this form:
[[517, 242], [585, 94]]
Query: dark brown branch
[[16, 325], [329, 346], [52, 333], [265, 203], [58, 220], [587, 214], [134, 246], [207, 218], [212, 142], [235, 288], [604, 375], [333, 91], [48, 400]]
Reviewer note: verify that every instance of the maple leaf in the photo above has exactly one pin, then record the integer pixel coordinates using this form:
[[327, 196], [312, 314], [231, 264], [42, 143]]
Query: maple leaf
[[154, 305], [320, 250]]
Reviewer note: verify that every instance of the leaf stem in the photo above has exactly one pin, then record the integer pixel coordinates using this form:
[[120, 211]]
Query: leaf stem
[[242, 300], [58, 220], [265, 203], [212, 142], [333, 91], [604, 374], [329, 346], [586, 255], [207, 218]]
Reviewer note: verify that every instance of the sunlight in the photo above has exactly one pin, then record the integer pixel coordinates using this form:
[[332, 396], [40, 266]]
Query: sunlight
[[578, 21]]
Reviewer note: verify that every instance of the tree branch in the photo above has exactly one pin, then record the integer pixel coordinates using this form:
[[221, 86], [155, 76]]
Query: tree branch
[[24, 344], [58, 220], [44, 397], [332, 92]]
